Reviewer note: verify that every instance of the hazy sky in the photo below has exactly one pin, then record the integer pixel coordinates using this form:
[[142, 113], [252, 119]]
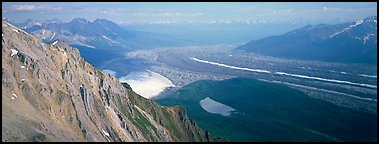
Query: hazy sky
[[194, 12]]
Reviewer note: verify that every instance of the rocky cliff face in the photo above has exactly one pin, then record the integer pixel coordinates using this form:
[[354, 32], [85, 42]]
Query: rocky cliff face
[[50, 93]]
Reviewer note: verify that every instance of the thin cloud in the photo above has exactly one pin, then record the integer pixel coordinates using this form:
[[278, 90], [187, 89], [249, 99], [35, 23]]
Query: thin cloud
[[108, 12], [167, 14], [336, 9], [34, 7], [229, 7], [249, 13], [275, 12]]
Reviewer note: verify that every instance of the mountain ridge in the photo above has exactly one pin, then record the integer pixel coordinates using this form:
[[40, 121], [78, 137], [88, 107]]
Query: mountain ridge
[[353, 42], [98, 34], [50, 93]]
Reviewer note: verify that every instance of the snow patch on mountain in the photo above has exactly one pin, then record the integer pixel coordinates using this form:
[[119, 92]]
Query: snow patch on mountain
[[55, 42], [108, 39], [104, 132], [348, 28], [14, 52], [356, 23], [15, 31], [86, 45], [367, 37]]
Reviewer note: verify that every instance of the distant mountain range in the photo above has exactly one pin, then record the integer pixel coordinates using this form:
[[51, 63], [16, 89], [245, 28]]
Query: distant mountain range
[[353, 42], [99, 34], [98, 41]]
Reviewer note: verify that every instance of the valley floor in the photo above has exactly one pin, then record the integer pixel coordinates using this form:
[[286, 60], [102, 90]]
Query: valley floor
[[347, 85], [351, 86]]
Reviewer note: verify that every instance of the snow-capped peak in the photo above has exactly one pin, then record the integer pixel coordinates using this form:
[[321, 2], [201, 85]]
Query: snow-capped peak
[[356, 23]]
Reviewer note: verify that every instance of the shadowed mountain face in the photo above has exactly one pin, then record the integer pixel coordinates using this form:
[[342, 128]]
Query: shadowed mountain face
[[354, 42], [50, 93]]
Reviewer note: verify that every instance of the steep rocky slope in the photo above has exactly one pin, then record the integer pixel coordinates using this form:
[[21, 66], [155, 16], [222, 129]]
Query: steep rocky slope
[[50, 93]]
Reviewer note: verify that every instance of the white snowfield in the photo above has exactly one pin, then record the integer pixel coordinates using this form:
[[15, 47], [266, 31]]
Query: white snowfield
[[147, 83], [212, 106]]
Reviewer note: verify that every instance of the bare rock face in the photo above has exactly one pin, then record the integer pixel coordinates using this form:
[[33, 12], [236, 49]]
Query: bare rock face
[[50, 93]]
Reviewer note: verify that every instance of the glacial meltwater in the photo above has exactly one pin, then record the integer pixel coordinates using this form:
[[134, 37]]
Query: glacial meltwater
[[212, 106]]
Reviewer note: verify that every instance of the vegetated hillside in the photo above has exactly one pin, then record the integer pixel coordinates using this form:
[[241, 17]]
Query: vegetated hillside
[[270, 112], [50, 93], [354, 42]]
